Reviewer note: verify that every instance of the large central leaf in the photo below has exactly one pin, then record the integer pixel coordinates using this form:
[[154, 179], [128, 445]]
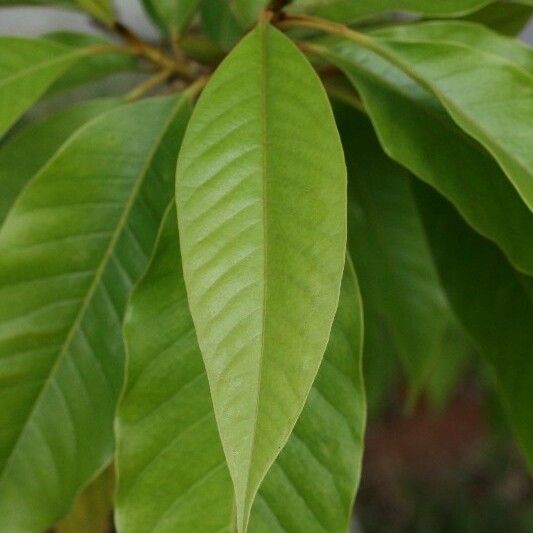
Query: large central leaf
[[261, 195], [170, 461], [73, 244]]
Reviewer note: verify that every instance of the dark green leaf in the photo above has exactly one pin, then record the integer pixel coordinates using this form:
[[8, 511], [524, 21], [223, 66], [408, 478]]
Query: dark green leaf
[[493, 302], [389, 249], [172, 15]]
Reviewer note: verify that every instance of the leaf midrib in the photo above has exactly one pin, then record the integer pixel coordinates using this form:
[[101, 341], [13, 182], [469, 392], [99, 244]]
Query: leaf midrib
[[97, 276]]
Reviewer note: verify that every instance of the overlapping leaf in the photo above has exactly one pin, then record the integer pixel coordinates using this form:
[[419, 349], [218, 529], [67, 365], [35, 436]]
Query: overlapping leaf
[[488, 95], [172, 15], [90, 68], [261, 195], [348, 10], [24, 154], [101, 9], [70, 249], [220, 23], [493, 302], [418, 133], [172, 471], [389, 250]]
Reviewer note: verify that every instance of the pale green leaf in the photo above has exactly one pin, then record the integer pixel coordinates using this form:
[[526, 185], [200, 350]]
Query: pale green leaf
[[172, 15], [493, 302], [27, 69], [348, 10], [172, 471], [416, 131], [389, 250], [72, 246], [25, 153], [488, 95], [261, 195]]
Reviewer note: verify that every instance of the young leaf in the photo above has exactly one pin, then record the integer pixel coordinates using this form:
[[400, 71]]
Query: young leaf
[[389, 249], [24, 154], [172, 15], [418, 133], [349, 10], [72, 246], [493, 302], [172, 472], [27, 68], [497, 107], [261, 196]]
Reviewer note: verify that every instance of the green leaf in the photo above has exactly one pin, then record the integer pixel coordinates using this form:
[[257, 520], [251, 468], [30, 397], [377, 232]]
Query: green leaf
[[100, 9], [93, 507], [90, 68], [25, 153], [172, 471], [172, 15], [493, 302], [465, 33], [497, 107], [261, 195], [72, 246], [506, 17], [248, 10], [416, 131], [27, 69], [220, 23], [389, 249], [348, 10]]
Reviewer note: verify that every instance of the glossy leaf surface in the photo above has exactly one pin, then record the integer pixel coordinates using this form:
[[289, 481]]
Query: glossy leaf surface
[[436, 150], [71, 248], [170, 460], [493, 302], [487, 94], [261, 195], [24, 154]]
